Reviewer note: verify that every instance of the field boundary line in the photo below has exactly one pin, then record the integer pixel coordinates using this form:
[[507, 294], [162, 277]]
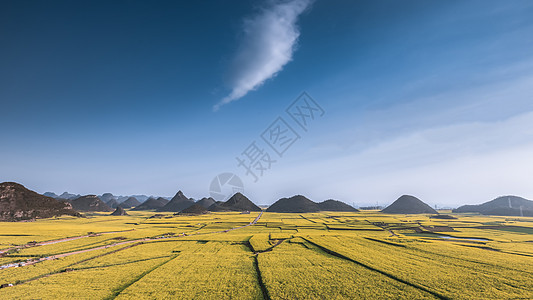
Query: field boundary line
[[334, 253], [121, 264], [104, 254], [66, 268], [385, 242], [469, 260], [262, 285], [66, 239], [307, 219], [139, 277]]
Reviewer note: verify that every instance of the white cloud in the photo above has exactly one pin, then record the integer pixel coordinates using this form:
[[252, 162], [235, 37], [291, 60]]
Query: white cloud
[[268, 43]]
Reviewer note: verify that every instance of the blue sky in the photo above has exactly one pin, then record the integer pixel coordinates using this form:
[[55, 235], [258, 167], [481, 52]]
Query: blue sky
[[430, 98]]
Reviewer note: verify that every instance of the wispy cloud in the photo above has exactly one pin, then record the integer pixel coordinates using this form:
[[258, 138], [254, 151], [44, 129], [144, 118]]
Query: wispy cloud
[[269, 40], [458, 146]]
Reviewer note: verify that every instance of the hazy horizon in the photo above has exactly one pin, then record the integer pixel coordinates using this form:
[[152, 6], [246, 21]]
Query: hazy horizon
[[355, 203]]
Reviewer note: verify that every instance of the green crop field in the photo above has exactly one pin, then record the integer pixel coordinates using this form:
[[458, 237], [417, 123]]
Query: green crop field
[[328, 255]]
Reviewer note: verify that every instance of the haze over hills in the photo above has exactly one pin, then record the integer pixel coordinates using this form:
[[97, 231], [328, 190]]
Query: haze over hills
[[335, 205], [501, 206], [107, 197], [178, 203], [19, 203], [119, 212], [237, 202], [130, 202], [152, 203], [50, 194], [195, 209], [294, 204], [89, 203], [112, 203], [408, 204], [68, 196], [139, 198], [301, 204], [206, 202]]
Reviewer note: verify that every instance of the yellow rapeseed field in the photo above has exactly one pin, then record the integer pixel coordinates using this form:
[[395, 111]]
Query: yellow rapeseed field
[[325, 255]]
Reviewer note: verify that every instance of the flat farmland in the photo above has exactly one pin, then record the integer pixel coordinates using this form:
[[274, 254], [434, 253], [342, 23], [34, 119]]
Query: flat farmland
[[326, 255]]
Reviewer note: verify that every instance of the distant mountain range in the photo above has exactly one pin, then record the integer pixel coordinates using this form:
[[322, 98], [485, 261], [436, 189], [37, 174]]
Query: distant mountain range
[[182, 204], [140, 198], [18, 203], [111, 203], [89, 203], [151, 204], [51, 195], [178, 203], [65, 195], [130, 202], [206, 202], [237, 202], [106, 197]]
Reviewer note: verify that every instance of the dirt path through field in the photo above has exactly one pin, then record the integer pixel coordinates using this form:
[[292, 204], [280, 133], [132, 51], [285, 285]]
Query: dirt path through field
[[29, 245]]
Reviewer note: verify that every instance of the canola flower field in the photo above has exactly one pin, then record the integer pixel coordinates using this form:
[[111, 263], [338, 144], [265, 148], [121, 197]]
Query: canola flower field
[[327, 255]]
